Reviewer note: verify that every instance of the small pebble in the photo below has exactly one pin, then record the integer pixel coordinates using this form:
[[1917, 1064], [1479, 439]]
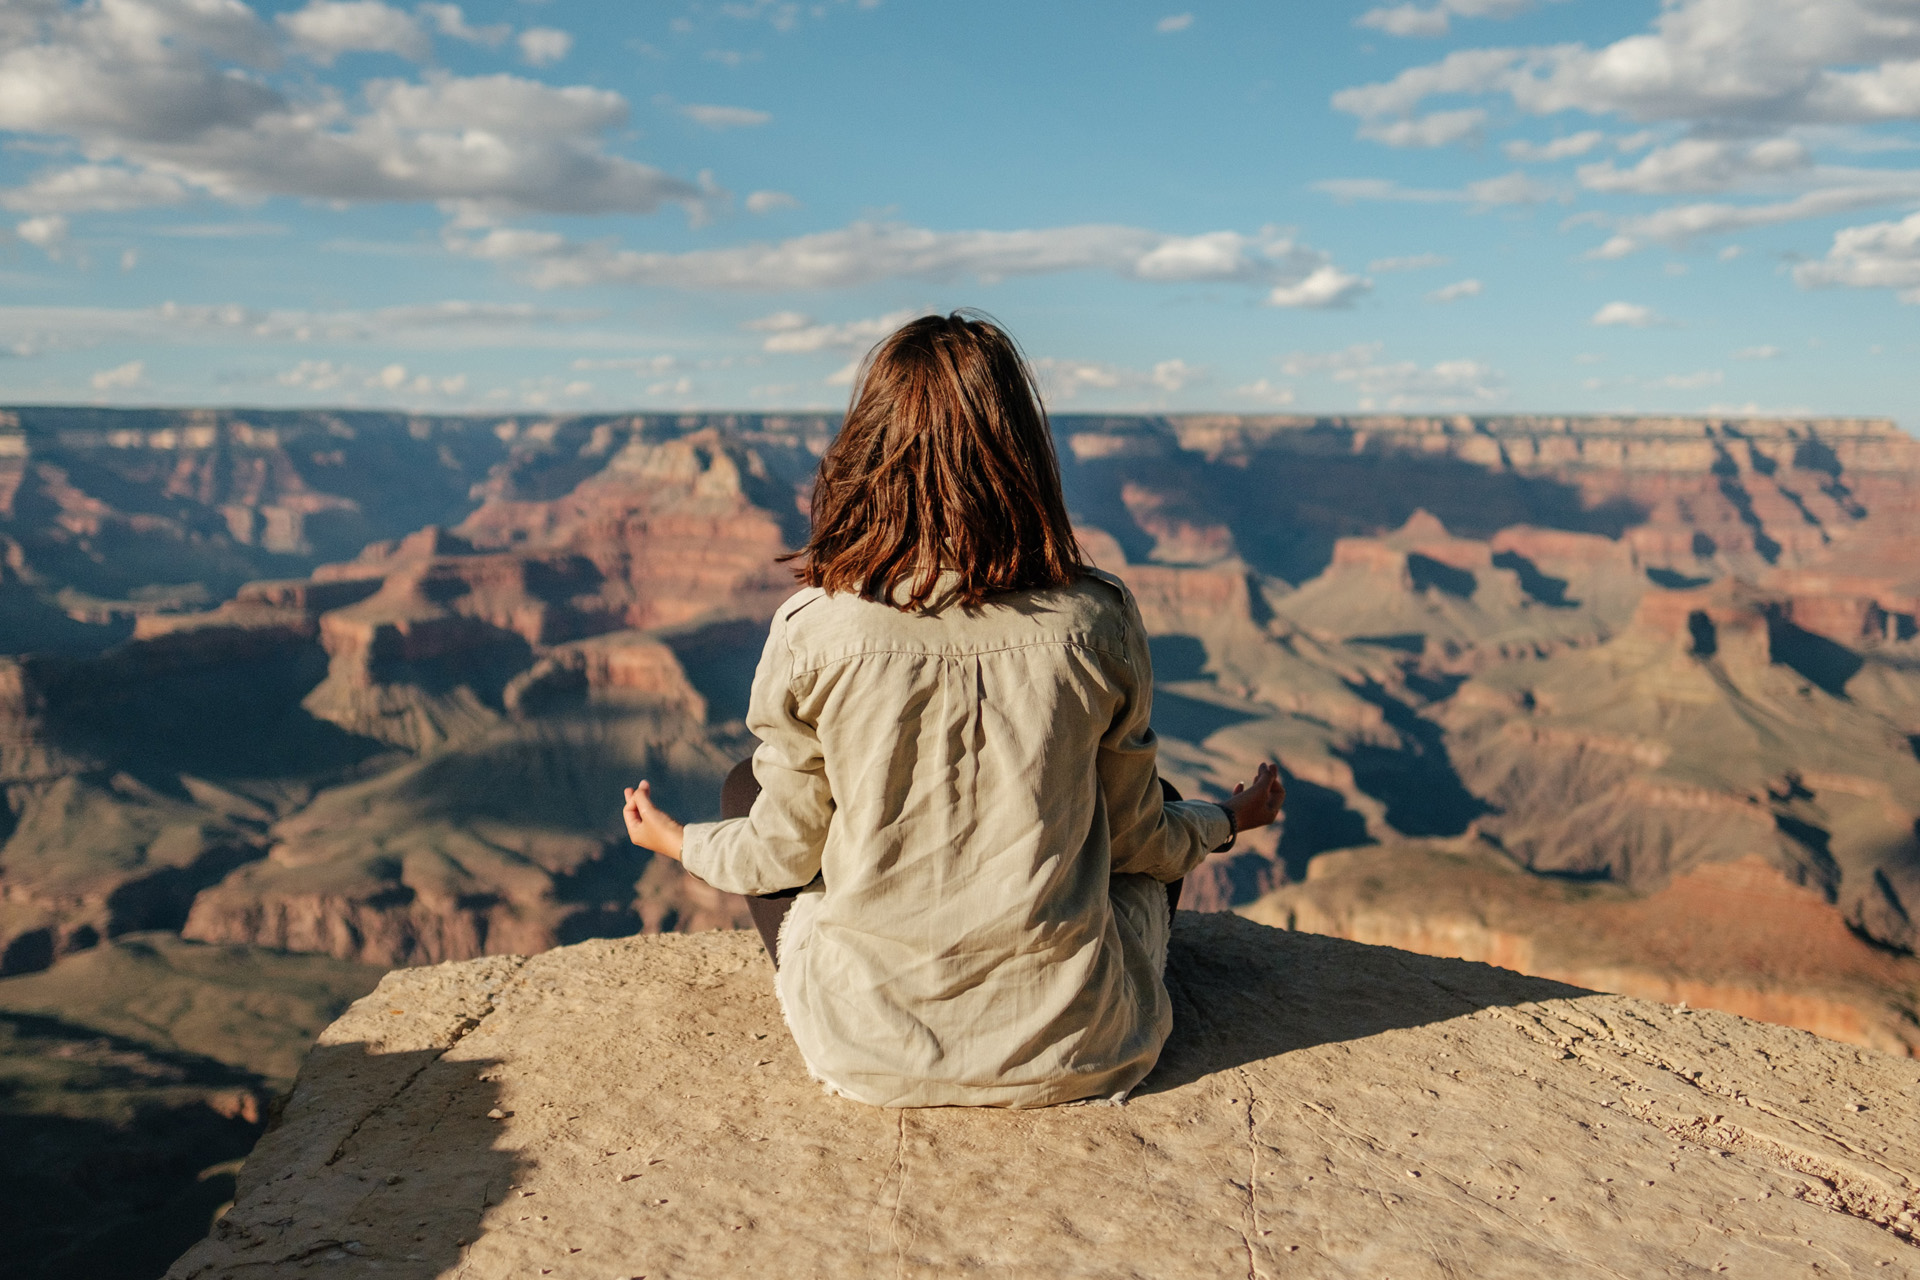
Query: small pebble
[[498, 1114], [1854, 1106], [626, 1177]]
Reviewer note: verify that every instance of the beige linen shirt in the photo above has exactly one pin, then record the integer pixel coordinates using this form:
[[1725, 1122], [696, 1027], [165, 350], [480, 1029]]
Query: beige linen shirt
[[969, 797]]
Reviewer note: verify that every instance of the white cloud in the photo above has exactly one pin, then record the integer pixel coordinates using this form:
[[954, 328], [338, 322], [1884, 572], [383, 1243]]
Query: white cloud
[[1507, 189], [1173, 22], [1632, 315], [852, 335], [129, 259], [1411, 262], [125, 377], [1768, 352], [449, 20], [47, 232], [1266, 392], [1171, 375], [869, 252], [1324, 287], [1679, 224], [1879, 255], [1412, 20], [779, 322], [1692, 381], [1067, 379], [219, 230], [313, 375], [1559, 149], [1512, 188], [544, 46], [769, 201], [1436, 129], [1699, 164], [1402, 384], [1300, 364], [84, 187], [451, 325], [325, 29], [1462, 71], [713, 117], [1346, 190], [642, 366], [391, 378], [1756, 85], [1406, 385], [1457, 290], [1743, 62], [146, 90]]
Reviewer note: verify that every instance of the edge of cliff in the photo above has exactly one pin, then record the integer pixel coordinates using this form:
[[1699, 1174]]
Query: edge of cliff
[[634, 1107]]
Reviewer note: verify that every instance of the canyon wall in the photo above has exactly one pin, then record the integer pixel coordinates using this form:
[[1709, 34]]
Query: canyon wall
[[363, 684]]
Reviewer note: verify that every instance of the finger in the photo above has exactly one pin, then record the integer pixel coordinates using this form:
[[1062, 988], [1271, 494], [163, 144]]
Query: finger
[[1239, 787]]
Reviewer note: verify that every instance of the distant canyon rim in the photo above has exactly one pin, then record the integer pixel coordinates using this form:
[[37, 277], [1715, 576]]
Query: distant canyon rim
[[1627, 702]]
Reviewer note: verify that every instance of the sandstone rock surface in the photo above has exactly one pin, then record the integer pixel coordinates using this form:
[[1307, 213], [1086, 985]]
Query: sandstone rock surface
[[635, 1108]]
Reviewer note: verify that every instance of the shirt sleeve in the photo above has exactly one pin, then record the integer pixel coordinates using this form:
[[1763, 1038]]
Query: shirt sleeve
[[1149, 836], [778, 844]]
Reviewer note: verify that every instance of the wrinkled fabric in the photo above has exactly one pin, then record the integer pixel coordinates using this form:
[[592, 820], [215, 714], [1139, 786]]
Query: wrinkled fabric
[[969, 797]]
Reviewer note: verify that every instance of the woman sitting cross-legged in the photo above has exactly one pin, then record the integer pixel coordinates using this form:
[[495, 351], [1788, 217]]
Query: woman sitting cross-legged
[[959, 833]]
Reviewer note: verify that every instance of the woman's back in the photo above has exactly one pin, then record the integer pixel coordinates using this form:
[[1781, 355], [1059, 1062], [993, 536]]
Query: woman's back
[[955, 766], [967, 783]]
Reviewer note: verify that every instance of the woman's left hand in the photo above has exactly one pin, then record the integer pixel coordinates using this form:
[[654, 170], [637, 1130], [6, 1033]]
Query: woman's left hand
[[651, 827], [1257, 805]]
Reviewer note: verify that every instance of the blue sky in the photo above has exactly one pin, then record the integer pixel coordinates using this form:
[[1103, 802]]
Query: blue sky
[[1450, 205]]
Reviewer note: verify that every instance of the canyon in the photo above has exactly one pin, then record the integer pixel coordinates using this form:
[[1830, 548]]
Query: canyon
[[1629, 703]]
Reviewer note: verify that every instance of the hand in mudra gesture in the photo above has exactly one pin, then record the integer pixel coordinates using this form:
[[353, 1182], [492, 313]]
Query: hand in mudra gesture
[[649, 826], [1257, 805]]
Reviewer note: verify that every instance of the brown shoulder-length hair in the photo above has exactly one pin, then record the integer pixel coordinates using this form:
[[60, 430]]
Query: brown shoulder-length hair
[[945, 462]]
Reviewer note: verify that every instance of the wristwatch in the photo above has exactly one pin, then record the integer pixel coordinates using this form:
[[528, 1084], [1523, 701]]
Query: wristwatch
[[1233, 829]]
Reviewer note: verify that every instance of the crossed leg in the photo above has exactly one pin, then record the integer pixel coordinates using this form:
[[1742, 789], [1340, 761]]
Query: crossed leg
[[737, 795]]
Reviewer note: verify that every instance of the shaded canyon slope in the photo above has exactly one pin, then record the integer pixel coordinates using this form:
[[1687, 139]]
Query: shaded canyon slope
[[1630, 701]]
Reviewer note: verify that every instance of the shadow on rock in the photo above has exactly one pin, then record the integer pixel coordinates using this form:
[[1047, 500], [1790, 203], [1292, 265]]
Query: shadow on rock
[[1252, 992], [404, 1195]]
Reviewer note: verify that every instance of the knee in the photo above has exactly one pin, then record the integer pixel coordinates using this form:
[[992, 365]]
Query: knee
[[739, 791]]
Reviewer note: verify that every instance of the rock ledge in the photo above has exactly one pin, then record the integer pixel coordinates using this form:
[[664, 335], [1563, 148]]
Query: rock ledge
[[635, 1108]]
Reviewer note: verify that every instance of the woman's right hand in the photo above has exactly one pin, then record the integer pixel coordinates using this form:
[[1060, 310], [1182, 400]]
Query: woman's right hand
[[1257, 805]]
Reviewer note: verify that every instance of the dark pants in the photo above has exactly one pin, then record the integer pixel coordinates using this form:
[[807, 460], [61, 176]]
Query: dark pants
[[737, 795]]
